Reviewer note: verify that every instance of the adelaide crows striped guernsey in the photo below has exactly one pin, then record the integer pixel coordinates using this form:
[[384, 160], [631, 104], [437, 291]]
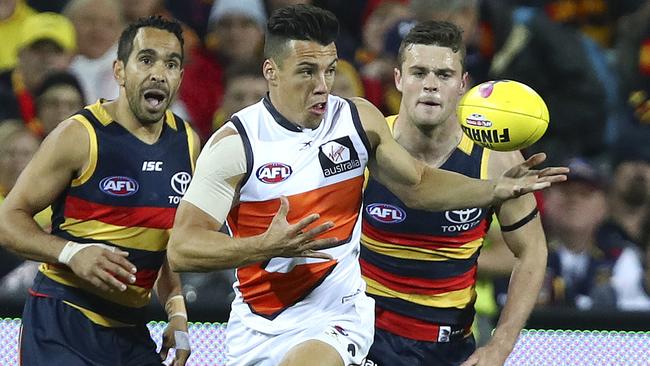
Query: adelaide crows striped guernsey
[[127, 198], [420, 266]]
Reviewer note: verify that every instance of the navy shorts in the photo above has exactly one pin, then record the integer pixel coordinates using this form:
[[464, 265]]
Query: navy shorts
[[389, 349], [55, 333]]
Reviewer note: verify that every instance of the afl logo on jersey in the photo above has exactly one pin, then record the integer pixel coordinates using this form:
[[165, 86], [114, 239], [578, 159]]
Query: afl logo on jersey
[[388, 214], [271, 173], [119, 186]]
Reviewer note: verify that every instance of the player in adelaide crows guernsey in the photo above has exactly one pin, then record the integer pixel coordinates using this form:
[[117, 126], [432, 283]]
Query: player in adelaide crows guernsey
[[114, 174], [287, 175], [420, 266]]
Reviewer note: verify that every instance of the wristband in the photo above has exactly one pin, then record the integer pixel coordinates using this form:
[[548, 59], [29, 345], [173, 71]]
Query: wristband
[[71, 248], [173, 298], [181, 314], [181, 340], [520, 223], [175, 306]]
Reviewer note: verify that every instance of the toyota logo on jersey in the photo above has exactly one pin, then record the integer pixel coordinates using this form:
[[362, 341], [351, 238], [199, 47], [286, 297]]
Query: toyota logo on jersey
[[388, 214], [463, 216], [271, 173], [119, 186], [180, 181]]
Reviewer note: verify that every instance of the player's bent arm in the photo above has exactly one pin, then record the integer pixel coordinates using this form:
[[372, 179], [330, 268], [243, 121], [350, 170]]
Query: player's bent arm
[[61, 157], [196, 244], [524, 235], [415, 183]]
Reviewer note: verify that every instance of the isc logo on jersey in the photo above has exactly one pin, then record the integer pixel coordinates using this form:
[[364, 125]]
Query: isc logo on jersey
[[119, 186], [388, 214], [271, 173]]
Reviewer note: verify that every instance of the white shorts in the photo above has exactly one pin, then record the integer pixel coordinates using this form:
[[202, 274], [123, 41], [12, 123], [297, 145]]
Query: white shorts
[[350, 332]]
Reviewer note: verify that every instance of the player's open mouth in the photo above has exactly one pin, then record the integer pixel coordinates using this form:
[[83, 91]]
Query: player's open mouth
[[319, 108], [429, 103], [154, 98]]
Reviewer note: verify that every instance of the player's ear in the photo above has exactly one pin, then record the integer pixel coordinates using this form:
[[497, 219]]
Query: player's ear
[[118, 72], [464, 82], [269, 70], [397, 75]]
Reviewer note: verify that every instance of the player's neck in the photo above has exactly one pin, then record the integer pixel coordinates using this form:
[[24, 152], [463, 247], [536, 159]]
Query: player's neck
[[285, 117], [432, 145], [121, 113]]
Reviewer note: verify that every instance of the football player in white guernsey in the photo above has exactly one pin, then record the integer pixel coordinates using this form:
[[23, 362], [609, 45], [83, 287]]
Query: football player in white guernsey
[[287, 175]]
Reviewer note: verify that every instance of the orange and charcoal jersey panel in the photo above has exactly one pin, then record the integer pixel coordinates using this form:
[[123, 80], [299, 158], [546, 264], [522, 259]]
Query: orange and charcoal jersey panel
[[420, 266], [320, 171], [126, 198]]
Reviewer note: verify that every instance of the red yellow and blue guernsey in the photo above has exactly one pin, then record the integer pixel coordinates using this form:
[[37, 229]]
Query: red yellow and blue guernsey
[[127, 198], [420, 266]]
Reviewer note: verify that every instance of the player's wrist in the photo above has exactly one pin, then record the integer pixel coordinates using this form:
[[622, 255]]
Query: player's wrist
[[71, 248], [175, 307], [494, 187]]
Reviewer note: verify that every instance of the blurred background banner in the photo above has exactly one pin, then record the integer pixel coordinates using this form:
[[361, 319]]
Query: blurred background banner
[[535, 347]]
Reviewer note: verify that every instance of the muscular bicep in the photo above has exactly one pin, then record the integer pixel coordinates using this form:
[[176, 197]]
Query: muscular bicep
[[389, 163], [62, 157], [518, 211], [220, 168]]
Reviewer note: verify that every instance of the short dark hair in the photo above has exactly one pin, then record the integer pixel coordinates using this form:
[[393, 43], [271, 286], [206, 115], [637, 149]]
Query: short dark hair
[[125, 45], [59, 78], [299, 22], [435, 33]]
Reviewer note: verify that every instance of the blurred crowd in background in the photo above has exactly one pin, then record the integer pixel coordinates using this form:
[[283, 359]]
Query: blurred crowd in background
[[588, 59]]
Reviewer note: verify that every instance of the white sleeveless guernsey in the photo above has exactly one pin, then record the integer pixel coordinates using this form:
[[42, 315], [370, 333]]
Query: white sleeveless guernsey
[[319, 171]]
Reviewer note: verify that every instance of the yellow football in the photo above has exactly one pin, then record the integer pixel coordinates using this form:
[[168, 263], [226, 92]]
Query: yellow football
[[503, 115]]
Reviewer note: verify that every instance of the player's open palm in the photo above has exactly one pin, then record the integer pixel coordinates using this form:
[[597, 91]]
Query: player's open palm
[[104, 267], [522, 178], [283, 239]]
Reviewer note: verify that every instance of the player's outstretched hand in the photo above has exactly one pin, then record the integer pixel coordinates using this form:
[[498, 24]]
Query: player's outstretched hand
[[176, 336], [283, 239], [103, 266], [522, 178], [489, 355]]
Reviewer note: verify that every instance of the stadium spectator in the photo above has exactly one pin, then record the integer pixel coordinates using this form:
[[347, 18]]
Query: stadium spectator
[[621, 237], [98, 24], [348, 82], [374, 64], [12, 15], [243, 87], [46, 44], [17, 146], [234, 39], [578, 273], [59, 96]]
